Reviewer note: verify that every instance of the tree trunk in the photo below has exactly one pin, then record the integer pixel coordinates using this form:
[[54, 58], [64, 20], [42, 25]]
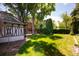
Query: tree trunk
[[65, 25], [33, 28], [74, 26], [24, 31], [72, 31]]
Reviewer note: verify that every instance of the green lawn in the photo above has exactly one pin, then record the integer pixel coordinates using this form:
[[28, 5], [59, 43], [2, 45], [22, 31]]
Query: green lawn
[[48, 45]]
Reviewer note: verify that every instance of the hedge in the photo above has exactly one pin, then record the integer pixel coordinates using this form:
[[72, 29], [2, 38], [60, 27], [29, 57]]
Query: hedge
[[61, 31]]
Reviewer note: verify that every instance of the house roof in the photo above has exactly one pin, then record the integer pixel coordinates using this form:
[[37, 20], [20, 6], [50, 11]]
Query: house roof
[[9, 18]]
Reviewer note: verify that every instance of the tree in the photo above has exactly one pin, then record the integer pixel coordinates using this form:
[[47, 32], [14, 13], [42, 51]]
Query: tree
[[66, 21], [22, 10], [45, 9], [75, 17], [75, 11], [49, 26], [33, 7], [61, 25]]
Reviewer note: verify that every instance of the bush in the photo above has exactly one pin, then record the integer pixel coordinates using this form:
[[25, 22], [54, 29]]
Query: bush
[[49, 26], [46, 28], [42, 31], [61, 31]]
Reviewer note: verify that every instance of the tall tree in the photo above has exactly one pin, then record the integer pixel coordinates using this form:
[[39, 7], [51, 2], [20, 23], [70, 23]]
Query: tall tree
[[75, 17], [49, 26], [33, 7], [44, 10], [66, 20], [61, 25], [23, 9]]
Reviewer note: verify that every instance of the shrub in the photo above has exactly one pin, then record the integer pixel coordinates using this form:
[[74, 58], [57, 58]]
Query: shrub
[[61, 31], [49, 26], [46, 28]]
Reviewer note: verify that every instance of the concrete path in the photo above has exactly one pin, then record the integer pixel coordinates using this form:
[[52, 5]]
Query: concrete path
[[76, 46], [75, 40]]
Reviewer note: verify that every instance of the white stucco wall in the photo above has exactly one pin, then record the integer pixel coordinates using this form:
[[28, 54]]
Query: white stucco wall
[[10, 39]]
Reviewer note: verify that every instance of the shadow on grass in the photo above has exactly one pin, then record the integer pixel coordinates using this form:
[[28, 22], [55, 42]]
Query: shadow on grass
[[39, 36], [24, 48], [41, 46], [55, 37]]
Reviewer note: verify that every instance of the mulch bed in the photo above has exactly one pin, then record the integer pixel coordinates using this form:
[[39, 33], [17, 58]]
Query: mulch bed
[[11, 48]]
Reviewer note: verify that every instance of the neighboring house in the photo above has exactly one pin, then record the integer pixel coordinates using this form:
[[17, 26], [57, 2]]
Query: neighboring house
[[11, 29]]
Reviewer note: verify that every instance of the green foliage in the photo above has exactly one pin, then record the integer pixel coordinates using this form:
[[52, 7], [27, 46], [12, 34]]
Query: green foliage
[[66, 21], [46, 27], [75, 18], [75, 11], [42, 28], [45, 9], [61, 31], [49, 26], [61, 25], [19, 10], [23, 10]]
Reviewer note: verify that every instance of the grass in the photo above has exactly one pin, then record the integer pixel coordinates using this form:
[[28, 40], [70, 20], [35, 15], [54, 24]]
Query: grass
[[48, 45]]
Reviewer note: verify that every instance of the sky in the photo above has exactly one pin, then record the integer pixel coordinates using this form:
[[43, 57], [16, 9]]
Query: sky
[[2, 8], [60, 8]]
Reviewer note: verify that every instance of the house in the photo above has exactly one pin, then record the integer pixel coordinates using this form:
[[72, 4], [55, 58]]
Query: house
[[11, 29]]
